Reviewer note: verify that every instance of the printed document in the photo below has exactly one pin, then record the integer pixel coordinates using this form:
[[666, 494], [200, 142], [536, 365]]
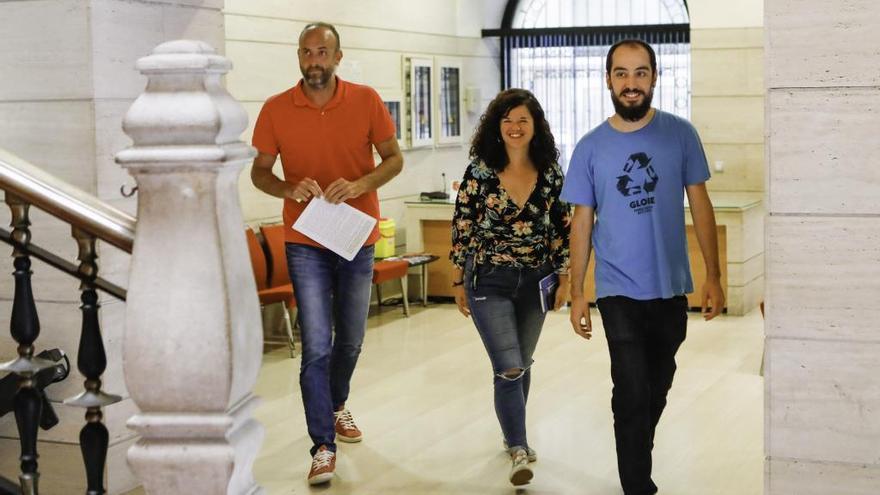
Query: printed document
[[340, 228]]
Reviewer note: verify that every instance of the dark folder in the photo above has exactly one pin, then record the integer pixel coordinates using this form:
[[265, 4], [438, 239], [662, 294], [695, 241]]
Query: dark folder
[[547, 287]]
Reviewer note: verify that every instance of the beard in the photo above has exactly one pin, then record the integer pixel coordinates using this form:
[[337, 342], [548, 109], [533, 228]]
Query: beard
[[632, 113], [317, 77]]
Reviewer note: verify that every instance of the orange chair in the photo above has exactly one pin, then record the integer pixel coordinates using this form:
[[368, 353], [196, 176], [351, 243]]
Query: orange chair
[[274, 237], [268, 292], [386, 270]]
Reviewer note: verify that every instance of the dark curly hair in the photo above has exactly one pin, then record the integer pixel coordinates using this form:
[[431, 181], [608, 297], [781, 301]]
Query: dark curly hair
[[487, 144]]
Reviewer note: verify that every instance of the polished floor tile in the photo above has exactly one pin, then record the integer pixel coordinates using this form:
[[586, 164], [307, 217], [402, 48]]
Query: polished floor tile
[[422, 394]]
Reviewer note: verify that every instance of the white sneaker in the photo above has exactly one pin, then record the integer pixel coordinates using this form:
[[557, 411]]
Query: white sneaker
[[520, 472], [532, 455]]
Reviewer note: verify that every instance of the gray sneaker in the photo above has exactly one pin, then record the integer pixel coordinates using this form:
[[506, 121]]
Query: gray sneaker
[[530, 452], [520, 472]]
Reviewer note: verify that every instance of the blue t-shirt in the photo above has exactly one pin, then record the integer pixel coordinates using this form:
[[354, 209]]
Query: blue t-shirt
[[635, 181]]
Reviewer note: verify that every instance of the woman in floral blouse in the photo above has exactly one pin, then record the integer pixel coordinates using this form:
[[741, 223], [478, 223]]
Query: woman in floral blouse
[[509, 231]]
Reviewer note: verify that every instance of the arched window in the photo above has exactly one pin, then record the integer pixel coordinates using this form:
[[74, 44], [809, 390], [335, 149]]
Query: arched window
[[557, 49], [530, 14]]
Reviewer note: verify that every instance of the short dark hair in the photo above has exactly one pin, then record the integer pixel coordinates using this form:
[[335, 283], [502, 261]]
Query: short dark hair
[[325, 25], [487, 144], [631, 42]]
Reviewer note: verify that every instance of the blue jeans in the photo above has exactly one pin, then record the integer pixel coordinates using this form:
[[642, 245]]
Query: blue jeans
[[506, 309], [643, 337], [333, 297]]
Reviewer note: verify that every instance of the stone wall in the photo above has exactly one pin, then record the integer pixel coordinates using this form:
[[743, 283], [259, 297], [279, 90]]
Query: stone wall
[[823, 247]]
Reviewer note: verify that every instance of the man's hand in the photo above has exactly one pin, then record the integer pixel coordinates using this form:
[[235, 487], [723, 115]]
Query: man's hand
[[461, 300], [342, 190], [713, 292], [304, 191], [580, 317], [705, 227]]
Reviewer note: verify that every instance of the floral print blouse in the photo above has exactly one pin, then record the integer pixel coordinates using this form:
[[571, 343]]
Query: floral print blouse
[[489, 226]]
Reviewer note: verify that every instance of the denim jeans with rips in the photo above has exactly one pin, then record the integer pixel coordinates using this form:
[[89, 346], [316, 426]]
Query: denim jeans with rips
[[506, 308]]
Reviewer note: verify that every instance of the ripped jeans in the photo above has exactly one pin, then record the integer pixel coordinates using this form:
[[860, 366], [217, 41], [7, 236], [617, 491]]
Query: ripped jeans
[[506, 309]]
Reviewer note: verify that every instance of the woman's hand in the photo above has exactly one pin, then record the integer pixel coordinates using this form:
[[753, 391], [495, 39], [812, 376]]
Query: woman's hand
[[562, 293], [461, 300]]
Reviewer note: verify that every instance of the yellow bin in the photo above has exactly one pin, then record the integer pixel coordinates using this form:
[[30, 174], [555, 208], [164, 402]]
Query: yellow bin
[[385, 245]]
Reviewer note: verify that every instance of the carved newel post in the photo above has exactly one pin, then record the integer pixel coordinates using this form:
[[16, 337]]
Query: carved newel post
[[193, 339]]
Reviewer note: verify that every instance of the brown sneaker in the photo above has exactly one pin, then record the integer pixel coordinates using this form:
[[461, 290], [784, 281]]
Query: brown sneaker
[[346, 430], [323, 466]]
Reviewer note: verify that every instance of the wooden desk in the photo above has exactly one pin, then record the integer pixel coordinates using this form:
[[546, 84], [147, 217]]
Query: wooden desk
[[429, 229], [740, 219]]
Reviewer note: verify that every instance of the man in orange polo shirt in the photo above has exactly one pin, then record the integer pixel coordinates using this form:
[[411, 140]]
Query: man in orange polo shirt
[[325, 130]]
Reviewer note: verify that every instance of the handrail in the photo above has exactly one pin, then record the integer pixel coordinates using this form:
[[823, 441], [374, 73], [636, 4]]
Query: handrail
[[80, 209], [65, 266]]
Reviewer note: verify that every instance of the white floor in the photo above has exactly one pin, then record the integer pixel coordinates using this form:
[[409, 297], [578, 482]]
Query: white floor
[[422, 394]]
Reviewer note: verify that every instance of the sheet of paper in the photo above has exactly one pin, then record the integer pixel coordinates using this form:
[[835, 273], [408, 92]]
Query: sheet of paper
[[340, 228]]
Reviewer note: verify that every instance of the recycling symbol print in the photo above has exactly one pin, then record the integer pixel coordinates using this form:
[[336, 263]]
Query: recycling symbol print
[[639, 180]]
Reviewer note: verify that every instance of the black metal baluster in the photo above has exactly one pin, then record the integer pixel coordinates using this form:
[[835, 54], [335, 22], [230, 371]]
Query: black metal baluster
[[91, 362], [25, 328], [28, 408]]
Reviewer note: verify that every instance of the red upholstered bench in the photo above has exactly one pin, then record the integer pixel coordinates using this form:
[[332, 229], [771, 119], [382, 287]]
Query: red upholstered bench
[[384, 271]]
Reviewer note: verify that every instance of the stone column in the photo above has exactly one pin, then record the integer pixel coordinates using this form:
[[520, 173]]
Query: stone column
[[67, 81], [193, 341], [823, 247]]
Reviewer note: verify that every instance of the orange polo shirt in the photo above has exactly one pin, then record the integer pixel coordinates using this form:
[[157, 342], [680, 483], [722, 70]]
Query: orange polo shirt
[[324, 143]]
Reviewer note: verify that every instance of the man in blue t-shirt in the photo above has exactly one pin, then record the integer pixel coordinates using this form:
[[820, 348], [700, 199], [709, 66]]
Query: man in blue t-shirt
[[632, 172]]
